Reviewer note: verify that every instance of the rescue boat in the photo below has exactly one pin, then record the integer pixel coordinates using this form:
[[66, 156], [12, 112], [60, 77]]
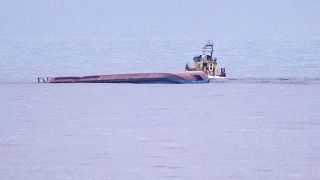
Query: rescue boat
[[207, 63]]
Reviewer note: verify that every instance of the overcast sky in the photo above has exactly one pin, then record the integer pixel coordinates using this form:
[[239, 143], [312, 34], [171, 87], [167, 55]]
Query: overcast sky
[[159, 18]]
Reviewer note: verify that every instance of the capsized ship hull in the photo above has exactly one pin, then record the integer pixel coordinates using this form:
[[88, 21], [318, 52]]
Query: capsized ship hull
[[191, 77]]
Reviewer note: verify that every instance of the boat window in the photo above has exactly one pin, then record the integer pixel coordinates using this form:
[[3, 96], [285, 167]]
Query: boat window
[[211, 67]]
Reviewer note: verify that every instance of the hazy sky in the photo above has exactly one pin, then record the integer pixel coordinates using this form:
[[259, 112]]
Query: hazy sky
[[159, 18]]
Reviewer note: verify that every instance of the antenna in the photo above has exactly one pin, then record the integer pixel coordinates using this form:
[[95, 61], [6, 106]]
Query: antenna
[[208, 48]]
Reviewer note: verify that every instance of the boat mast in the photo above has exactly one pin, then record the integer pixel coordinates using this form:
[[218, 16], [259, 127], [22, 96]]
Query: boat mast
[[208, 48]]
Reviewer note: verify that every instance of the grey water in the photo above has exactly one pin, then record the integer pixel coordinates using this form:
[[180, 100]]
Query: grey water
[[260, 123]]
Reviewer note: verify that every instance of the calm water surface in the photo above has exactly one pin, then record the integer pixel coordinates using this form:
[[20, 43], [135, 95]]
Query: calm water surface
[[263, 123]]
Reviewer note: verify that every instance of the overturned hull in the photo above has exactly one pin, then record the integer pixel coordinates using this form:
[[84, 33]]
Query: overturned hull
[[191, 77]]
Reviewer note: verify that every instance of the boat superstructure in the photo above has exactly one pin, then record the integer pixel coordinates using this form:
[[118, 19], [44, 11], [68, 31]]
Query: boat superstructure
[[207, 63]]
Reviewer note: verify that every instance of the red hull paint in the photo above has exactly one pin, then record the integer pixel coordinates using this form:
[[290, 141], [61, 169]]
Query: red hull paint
[[180, 78]]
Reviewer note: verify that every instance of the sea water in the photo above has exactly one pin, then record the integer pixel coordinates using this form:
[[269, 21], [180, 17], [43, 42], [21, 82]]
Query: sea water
[[260, 123]]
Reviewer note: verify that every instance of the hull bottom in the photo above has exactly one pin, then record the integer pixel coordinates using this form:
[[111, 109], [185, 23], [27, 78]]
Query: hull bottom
[[138, 78]]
